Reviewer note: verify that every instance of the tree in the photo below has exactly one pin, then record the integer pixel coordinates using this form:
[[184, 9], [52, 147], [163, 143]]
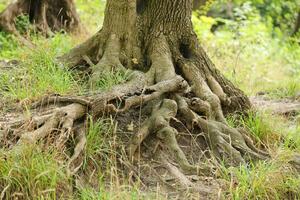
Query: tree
[[172, 80], [297, 26], [47, 15]]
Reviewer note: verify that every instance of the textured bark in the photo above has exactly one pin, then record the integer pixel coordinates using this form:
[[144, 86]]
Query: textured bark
[[157, 39], [171, 76], [47, 15]]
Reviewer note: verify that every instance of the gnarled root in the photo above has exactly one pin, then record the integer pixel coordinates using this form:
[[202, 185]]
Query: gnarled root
[[224, 141], [188, 95], [67, 122]]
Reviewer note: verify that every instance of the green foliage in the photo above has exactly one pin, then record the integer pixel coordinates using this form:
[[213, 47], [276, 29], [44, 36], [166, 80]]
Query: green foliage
[[262, 181], [248, 52], [38, 73], [292, 138], [8, 46], [91, 9], [28, 172], [110, 78], [99, 138], [23, 24], [264, 127], [124, 193], [280, 15]]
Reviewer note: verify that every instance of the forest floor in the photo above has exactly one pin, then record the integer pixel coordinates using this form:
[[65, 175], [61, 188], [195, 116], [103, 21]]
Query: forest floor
[[267, 70]]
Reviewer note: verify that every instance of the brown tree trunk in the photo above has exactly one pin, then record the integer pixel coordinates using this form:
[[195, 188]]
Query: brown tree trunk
[[172, 80], [47, 15], [297, 25], [156, 39], [198, 3]]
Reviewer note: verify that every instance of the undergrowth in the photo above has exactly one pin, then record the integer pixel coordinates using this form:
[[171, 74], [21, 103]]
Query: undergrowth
[[37, 72]]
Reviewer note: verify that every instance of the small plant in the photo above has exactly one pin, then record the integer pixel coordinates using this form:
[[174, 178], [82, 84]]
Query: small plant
[[23, 24], [267, 129], [99, 139], [8, 46], [111, 78]]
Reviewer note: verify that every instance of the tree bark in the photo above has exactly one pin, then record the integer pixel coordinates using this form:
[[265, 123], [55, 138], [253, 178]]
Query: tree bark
[[171, 75], [157, 39], [46, 15], [297, 25]]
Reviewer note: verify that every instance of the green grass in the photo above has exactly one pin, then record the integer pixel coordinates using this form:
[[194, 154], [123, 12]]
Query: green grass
[[38, 73], [8, 46], [251, 57], [99, 141], [114, 193], [28, 172], [110, 79], [290, 88], [261, 181], [91, 9]]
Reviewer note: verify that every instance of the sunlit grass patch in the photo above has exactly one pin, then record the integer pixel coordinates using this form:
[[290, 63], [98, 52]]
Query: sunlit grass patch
[[28, 172], [292, 139], [267, 129], [8, 46], [286, 89], [109, 79], [262, 181], [247, 53], [124, 192], [100, 137], [91, 9], [38, 73]]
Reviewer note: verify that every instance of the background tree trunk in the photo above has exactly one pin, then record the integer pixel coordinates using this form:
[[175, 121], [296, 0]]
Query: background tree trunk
[[297, 24], [47, 15], [198, 3]]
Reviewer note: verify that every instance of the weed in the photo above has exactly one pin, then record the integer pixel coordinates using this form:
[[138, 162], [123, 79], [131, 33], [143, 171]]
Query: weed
[[23, 24], [111, 78]]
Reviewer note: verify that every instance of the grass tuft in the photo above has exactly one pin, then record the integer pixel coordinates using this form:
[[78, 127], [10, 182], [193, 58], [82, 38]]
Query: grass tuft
[[109, 79], [29, 172], [38, 73], [262, 181]]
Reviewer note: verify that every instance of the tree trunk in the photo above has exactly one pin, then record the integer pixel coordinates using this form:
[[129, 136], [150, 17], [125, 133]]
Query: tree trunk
[[297, 25], [198, 3], [171, 75], [47, 15]]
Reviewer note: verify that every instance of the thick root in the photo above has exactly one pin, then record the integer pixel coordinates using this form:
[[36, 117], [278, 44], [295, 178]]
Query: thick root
[[224, 141]]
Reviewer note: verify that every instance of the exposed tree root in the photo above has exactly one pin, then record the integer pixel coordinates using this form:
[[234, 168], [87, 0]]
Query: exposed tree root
[[176, 82], [190, 97]]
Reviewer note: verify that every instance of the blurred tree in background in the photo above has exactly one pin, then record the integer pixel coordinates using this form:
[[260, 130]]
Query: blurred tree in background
[[282, 16]]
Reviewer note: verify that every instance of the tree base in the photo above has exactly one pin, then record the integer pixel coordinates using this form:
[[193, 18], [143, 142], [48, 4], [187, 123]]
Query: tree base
[[172, 131], [46, 16]]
